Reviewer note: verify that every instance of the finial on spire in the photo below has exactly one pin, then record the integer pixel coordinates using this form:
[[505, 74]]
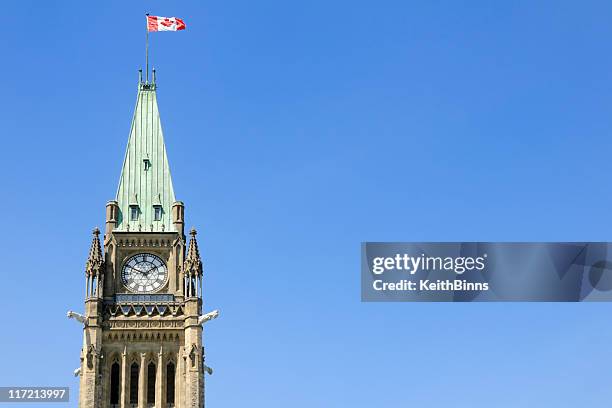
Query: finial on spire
[[193, 263], [93, 267]]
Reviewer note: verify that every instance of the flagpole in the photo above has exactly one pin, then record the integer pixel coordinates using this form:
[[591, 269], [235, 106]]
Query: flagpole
[[147, 49]]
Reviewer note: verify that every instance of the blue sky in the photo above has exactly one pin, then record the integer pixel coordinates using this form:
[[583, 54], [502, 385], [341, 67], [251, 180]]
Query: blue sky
[[295, 131]]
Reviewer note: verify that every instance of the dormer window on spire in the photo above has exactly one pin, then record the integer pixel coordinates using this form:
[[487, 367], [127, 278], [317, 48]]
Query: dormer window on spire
[[157, 213], [134, 212], [157, 207], [147, 164], [134, 208]]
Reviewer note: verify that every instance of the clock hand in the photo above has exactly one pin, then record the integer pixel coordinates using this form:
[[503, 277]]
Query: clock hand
[[137, 271]]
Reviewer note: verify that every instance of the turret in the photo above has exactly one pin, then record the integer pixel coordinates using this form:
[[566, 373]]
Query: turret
[[194, 375], [112, 212], [178, 217]]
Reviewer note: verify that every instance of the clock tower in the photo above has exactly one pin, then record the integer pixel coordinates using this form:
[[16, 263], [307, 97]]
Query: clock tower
[[142, 334]]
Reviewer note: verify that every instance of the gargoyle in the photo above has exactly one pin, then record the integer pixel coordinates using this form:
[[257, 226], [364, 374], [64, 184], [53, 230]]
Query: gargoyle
[[208, 316], [76, 316]]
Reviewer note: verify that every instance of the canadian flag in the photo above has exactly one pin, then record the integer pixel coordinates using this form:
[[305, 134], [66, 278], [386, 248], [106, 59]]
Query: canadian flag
[[157, 23]]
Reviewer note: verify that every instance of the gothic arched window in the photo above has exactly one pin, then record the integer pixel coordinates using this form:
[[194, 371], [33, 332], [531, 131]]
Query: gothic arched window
[[151, 384], [134, 383], [170, 384], [114, 385]]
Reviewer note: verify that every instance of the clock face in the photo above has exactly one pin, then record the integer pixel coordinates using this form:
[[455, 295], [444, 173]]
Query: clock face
[[144, 273]]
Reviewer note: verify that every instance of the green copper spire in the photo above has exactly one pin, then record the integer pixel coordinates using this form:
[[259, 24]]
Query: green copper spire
[[145, 194]]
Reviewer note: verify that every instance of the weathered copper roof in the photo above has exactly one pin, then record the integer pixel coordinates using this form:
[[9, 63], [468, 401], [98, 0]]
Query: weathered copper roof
[[145, 180]]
